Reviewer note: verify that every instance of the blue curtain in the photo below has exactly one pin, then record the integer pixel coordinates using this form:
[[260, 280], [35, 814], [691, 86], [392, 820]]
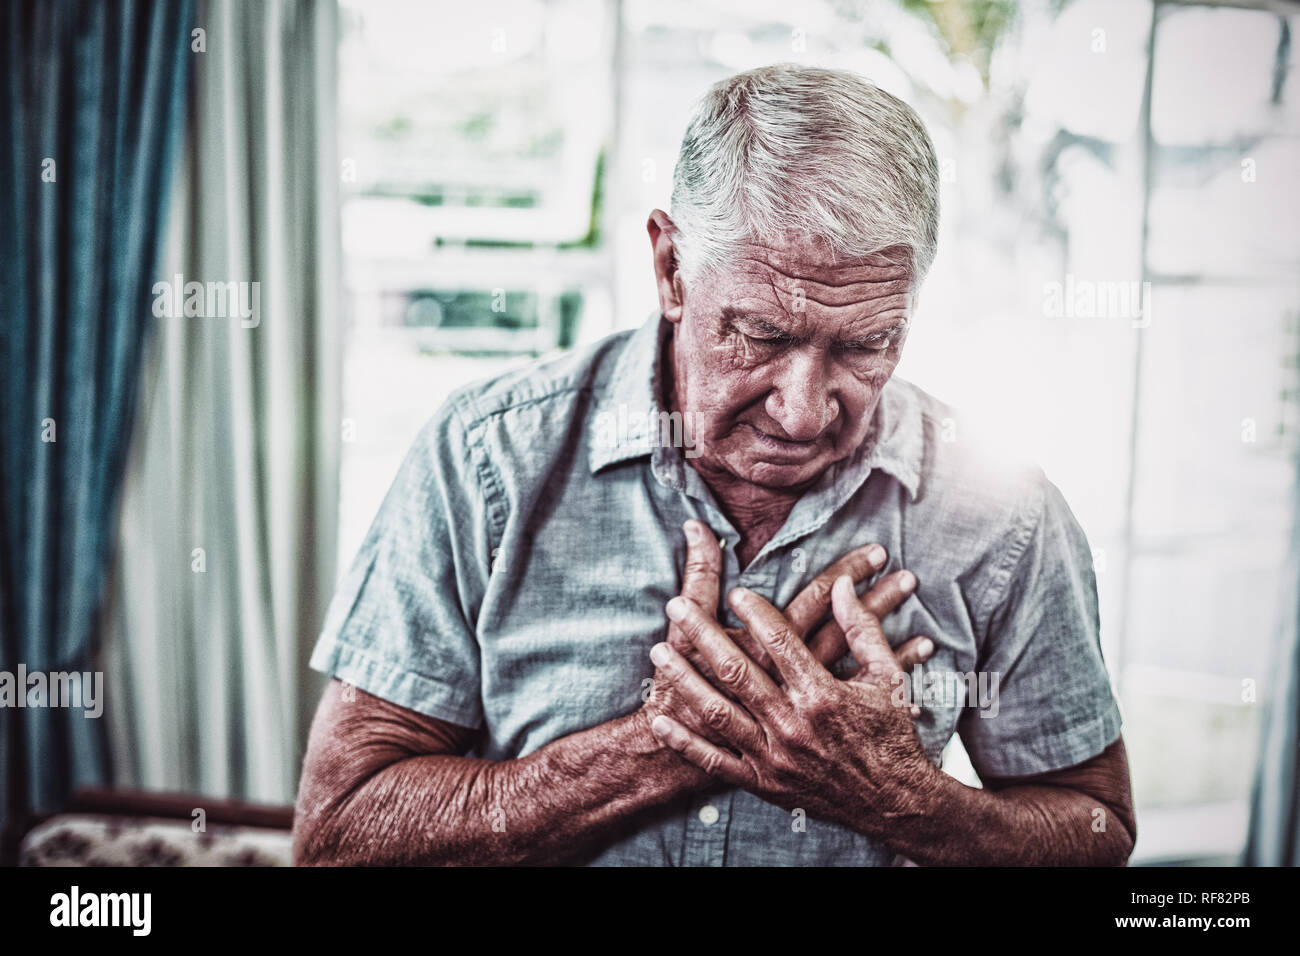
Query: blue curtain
[[92, 104]]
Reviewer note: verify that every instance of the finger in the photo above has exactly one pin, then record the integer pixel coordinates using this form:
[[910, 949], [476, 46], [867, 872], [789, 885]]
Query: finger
[[683, 645], [915, 651], [811, 604], [700, 582], [751, 647], [794, 662], [721, 718], [876, 663], [703, 568], [889, 592], [712, 759], [828, 644], [734, 671]]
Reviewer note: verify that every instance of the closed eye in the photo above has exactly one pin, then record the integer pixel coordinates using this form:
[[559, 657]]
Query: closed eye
[[881, 341], [777, 339], [767, 334], [869, 345]]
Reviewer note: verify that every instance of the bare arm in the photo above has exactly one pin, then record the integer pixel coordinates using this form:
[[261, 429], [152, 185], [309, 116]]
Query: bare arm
[[1079, 816], [383, 784]]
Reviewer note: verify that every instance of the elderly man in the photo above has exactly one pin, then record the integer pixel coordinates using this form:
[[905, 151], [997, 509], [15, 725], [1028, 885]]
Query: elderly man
[[588, 624]]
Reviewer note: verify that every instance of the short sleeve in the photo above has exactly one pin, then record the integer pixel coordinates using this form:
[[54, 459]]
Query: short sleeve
[[1053, 706], [402, 624]]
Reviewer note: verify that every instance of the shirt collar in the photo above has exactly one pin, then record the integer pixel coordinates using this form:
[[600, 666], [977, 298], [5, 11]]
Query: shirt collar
[[627, 420], [628, 403]]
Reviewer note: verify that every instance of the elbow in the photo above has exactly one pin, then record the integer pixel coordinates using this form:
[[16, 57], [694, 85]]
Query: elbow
[[1126, 839], [324, 818], [313, 844], [1119, 840]]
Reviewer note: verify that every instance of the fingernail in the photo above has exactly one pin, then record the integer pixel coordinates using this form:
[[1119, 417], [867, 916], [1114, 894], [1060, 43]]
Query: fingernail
[[692, 532], [906, 581], [660, 726], [876, 554], [659, 654], [925, 648], [676, 608]]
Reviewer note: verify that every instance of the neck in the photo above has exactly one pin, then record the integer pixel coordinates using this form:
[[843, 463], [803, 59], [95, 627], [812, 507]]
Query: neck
[[757, 513]]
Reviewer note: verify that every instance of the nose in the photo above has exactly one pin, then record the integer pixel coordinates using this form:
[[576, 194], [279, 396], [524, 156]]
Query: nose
[[802, 402]]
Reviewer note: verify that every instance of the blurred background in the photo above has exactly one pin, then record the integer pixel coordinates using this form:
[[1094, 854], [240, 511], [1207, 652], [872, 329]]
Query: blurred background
[[430, 193]]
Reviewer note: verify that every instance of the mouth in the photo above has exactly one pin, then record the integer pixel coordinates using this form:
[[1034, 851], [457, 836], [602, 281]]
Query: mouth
[[786, 448]]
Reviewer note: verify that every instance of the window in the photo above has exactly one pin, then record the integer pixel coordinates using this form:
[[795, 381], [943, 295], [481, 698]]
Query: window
[[504, 158], [473, 141]]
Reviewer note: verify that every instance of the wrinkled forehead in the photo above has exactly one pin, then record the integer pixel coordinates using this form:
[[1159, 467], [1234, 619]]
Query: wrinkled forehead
[[799, 271]]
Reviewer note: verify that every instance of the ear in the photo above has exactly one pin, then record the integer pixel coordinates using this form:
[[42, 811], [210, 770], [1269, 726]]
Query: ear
[[668, 278]]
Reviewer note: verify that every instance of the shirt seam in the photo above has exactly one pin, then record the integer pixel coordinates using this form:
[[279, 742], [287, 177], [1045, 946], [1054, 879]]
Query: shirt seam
[[1003, 575], [568, 388], [491, 486]]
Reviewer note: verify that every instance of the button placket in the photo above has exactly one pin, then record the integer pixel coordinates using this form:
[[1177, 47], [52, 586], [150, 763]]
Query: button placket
[[706, 829]]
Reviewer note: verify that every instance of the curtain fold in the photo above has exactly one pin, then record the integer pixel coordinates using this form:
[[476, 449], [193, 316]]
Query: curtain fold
[[227, 540], [92, 96]]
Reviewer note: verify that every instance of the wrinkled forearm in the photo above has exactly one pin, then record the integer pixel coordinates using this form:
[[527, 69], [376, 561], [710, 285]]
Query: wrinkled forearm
[[943, 822], [440, 809]]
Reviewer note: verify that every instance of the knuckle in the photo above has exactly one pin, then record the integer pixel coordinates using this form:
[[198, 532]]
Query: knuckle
[[717, 715], [799, 742], [788, 727], [711, 761], [698, 567], [812, 709], [783, 636], [732, 671], [781, 640]]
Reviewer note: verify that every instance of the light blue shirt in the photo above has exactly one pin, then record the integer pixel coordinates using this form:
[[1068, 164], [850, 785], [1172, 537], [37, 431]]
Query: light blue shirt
[[515, 578]]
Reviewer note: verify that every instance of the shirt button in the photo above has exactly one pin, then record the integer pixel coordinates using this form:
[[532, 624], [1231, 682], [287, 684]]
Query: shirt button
[[708, 814]]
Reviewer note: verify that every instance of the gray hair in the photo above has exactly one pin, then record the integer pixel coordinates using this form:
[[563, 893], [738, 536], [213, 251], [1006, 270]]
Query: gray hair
[[788, 148]]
